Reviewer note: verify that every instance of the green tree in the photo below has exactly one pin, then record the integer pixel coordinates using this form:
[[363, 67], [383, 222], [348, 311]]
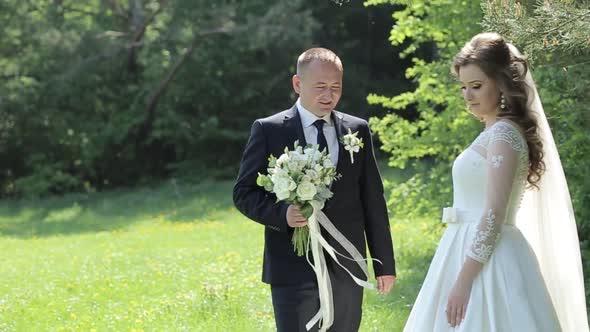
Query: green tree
[[442, 128], [111, 92], [115, 92], [559, 28]]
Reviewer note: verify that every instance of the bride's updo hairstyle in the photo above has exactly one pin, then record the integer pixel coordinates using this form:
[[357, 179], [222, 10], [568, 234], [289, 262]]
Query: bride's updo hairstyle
[[491, 53]]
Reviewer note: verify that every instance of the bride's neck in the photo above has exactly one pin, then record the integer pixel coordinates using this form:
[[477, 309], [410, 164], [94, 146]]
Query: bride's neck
[[490, 120]]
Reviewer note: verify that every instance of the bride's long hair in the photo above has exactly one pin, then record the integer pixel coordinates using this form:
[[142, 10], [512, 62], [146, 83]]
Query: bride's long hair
[[491, 53]]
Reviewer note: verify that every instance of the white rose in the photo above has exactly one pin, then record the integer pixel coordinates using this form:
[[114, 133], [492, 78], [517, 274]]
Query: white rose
[[282, 195], [324, 192], [328, 163], [312, 174], [284, 158], [281, 189], [302, 158], [317, 155], [306, 191], [293, 165], [279, 173], [283, 186], [295, 154], [297, 162]]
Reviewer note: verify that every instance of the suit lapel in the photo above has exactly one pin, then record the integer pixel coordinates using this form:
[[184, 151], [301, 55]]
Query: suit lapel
[[341, 129], [292, 122]]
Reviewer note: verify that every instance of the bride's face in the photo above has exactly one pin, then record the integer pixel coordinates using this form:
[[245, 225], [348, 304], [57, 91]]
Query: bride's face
[[480, 92]]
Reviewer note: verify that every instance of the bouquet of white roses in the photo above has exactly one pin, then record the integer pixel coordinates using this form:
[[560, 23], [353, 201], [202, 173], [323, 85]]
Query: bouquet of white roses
[[299, 177]]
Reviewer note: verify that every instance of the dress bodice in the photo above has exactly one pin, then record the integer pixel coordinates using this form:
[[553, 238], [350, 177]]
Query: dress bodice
[[470, 170]]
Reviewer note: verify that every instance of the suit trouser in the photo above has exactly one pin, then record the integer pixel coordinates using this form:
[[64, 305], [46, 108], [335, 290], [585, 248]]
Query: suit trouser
[[295, 305]]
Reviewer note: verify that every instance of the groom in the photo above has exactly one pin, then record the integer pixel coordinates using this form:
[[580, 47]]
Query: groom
[[357, 208]]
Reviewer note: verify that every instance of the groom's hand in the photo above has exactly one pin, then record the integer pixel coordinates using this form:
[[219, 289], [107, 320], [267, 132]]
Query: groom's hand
[[385, 283], [294, 217]]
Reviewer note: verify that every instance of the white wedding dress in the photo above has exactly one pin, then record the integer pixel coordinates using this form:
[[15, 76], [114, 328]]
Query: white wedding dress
[[509, 294]]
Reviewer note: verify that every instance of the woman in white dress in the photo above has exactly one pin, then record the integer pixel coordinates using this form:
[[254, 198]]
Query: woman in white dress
[[509, 259]]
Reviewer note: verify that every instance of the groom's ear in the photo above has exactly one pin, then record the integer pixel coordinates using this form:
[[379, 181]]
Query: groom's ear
[[296, 84]]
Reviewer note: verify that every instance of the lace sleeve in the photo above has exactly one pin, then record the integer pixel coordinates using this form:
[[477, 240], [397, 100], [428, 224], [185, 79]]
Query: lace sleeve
[[502, 163]]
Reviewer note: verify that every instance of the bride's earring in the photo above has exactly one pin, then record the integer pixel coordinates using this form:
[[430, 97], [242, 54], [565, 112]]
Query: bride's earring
[[502, 103]]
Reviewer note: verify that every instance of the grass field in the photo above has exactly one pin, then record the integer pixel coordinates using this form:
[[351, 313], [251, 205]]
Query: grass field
[[173, 257]]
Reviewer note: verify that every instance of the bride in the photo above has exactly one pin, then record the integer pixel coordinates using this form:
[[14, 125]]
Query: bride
[[509, 259]]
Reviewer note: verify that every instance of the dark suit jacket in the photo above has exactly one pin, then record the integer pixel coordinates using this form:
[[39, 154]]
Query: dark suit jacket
[[357, 208]]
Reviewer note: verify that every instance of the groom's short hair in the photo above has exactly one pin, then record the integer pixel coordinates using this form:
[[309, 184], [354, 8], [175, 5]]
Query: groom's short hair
[[317, 53]]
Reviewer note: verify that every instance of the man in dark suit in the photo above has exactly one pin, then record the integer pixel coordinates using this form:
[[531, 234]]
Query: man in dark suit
[[357, 208]]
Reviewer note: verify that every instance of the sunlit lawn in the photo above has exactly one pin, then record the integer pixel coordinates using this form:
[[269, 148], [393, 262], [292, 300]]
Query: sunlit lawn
[[169, 258]]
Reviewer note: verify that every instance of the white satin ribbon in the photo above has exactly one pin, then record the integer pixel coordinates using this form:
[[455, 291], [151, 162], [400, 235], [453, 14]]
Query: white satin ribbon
[[325, 314]]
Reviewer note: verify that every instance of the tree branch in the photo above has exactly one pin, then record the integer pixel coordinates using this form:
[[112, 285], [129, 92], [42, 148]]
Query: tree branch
[[154, 97], [570, 21], [111, 33], [563, 64], [81, 11], [138, 35]]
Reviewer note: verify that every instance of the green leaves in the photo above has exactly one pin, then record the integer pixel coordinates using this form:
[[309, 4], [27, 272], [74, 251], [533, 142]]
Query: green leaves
[[560, 28], [441, 128], [306, 210], [94, 66], [264, 181]]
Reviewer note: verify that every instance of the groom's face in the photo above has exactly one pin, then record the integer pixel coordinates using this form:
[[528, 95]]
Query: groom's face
[[319, 86]]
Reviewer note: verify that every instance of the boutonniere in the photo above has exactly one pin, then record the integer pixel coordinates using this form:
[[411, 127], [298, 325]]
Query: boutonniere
[[352, 143]]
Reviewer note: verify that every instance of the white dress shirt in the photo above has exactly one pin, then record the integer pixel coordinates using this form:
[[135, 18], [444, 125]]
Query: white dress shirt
[[311, 132]]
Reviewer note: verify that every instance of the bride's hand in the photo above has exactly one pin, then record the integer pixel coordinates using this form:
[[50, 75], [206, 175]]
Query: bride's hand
[[457, 304]]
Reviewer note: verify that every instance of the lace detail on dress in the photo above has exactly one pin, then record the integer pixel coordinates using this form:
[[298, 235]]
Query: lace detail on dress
[[503, 131], [485, 239], [506, 154], [497, 161], [506, 132]]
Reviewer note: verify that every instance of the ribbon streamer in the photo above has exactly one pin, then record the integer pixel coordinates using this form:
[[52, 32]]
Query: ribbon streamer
[[325, 314]]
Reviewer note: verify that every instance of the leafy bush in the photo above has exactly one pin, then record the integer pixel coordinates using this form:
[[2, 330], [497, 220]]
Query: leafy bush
[[430, 141]]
